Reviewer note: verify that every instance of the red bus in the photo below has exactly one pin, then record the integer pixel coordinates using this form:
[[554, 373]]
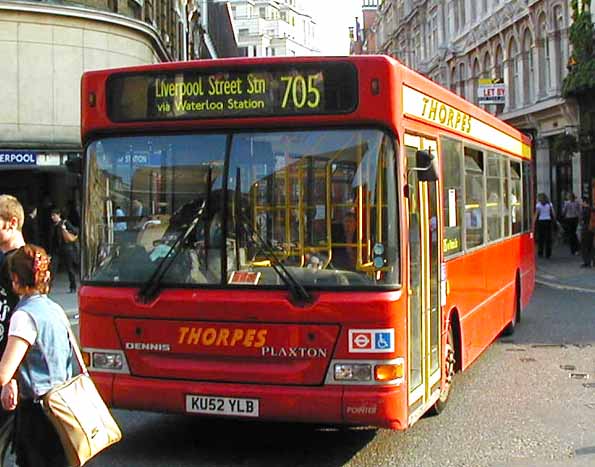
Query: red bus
[[322, 240]]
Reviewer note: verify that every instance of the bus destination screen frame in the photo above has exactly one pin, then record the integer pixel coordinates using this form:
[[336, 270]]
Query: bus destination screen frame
[[238, 92]]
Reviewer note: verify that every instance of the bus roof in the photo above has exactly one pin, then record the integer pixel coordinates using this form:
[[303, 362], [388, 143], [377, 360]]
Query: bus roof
[[417, 91]]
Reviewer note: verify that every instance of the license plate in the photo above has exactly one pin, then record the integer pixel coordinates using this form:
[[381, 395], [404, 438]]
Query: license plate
[[222, 405]]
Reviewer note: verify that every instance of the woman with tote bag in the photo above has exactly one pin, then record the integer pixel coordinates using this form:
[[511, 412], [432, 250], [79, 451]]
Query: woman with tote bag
[[53, 429], [38, 355]]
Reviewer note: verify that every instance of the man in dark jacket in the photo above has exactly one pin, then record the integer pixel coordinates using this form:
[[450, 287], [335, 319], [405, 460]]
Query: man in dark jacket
[[60, 249], [31, 226]]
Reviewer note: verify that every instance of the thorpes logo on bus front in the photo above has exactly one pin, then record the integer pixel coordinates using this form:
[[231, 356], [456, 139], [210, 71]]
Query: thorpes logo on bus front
[[212, 339], [254, 338], [371, 340], [222, 337]]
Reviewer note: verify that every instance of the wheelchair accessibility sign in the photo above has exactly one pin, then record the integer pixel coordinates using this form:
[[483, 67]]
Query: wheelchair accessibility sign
[[371, 340]]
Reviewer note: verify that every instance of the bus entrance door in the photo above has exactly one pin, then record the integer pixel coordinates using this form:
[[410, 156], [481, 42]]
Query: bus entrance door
[[424, 283]]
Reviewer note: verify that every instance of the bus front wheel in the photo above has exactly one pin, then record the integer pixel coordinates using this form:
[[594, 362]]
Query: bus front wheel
[[449, 373], [510, 327]]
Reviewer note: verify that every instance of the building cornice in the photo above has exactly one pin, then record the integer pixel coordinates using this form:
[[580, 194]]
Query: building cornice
[[92, 15], [547, 108]]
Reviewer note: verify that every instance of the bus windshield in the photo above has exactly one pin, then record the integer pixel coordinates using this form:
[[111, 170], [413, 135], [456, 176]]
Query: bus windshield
[[320, 203]]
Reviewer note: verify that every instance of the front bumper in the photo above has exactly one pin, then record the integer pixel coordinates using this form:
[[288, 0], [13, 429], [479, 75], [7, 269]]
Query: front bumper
[[379, 406]]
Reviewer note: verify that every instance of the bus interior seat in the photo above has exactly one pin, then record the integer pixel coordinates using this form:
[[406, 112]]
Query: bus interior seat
[[152, 231]]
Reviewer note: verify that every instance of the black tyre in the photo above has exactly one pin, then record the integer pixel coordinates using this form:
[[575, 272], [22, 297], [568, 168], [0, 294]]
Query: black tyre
[[516, 319], [449, 369]]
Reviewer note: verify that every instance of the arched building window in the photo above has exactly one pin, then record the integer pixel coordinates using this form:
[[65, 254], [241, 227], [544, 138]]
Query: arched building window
[[543, 54], [462, 13], [462, 80], [499, 59], [558, 47], [528, 68], [486, 71], [453, 79], [498, 70], [472, 13], [513, 75], [475, 78]]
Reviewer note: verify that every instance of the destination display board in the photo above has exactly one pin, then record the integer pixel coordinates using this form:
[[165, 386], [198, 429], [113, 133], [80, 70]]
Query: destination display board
[[299, 89]]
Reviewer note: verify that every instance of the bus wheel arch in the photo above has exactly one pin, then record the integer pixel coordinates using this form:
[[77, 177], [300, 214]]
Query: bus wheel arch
[[516, 318], [455, 323], [452, 361]]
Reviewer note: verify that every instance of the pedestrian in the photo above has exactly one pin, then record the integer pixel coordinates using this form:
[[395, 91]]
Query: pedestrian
[[587, 233], [345, 255], [39, 355], [571, 211], [43, 215], [73, 214], [544, 222], [62, 249], [11, 239], [31, 226]]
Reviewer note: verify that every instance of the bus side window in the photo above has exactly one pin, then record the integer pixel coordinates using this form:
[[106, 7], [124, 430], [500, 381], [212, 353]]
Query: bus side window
[[452, 175], [516, 213], [527, 200], [494, 197], [474, 198]]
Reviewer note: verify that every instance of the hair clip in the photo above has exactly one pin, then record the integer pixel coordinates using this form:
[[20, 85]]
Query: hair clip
[[36, 262], [40, 263]]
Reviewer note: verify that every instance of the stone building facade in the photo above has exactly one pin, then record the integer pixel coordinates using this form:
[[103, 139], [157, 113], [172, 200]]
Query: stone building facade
[[46, 47], [523, 42], [273, 28]]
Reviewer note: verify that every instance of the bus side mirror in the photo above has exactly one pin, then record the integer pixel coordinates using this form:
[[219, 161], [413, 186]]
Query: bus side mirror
[[427, 166]]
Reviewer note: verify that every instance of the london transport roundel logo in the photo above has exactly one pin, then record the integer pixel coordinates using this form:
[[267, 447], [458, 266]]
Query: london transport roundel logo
[[371, 340], [362, 340]]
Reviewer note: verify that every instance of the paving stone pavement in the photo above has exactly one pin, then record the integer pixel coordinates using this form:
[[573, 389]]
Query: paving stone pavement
[[564, 270]]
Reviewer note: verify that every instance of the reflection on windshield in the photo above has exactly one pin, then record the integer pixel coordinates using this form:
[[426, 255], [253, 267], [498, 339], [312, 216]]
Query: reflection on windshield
[[322, 201]]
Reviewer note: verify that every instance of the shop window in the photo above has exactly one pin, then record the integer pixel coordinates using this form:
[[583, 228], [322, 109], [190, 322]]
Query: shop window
[[452, 175]]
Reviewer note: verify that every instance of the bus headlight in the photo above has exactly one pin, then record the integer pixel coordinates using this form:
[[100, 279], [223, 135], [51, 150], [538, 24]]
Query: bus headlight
[[108, 360], [389, 372], [353, 372]]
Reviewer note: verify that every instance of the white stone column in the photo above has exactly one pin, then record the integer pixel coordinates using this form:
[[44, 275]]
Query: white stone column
[[576, 174], [508, 81], [538, 68], [554, 63], [542, 166]]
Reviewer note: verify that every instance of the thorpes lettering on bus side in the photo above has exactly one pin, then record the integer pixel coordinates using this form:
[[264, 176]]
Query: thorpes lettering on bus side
[[444, 114]]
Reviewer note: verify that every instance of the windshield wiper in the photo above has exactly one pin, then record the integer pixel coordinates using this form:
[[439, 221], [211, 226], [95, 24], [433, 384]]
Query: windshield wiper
[[299, 295], [150, 288]]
